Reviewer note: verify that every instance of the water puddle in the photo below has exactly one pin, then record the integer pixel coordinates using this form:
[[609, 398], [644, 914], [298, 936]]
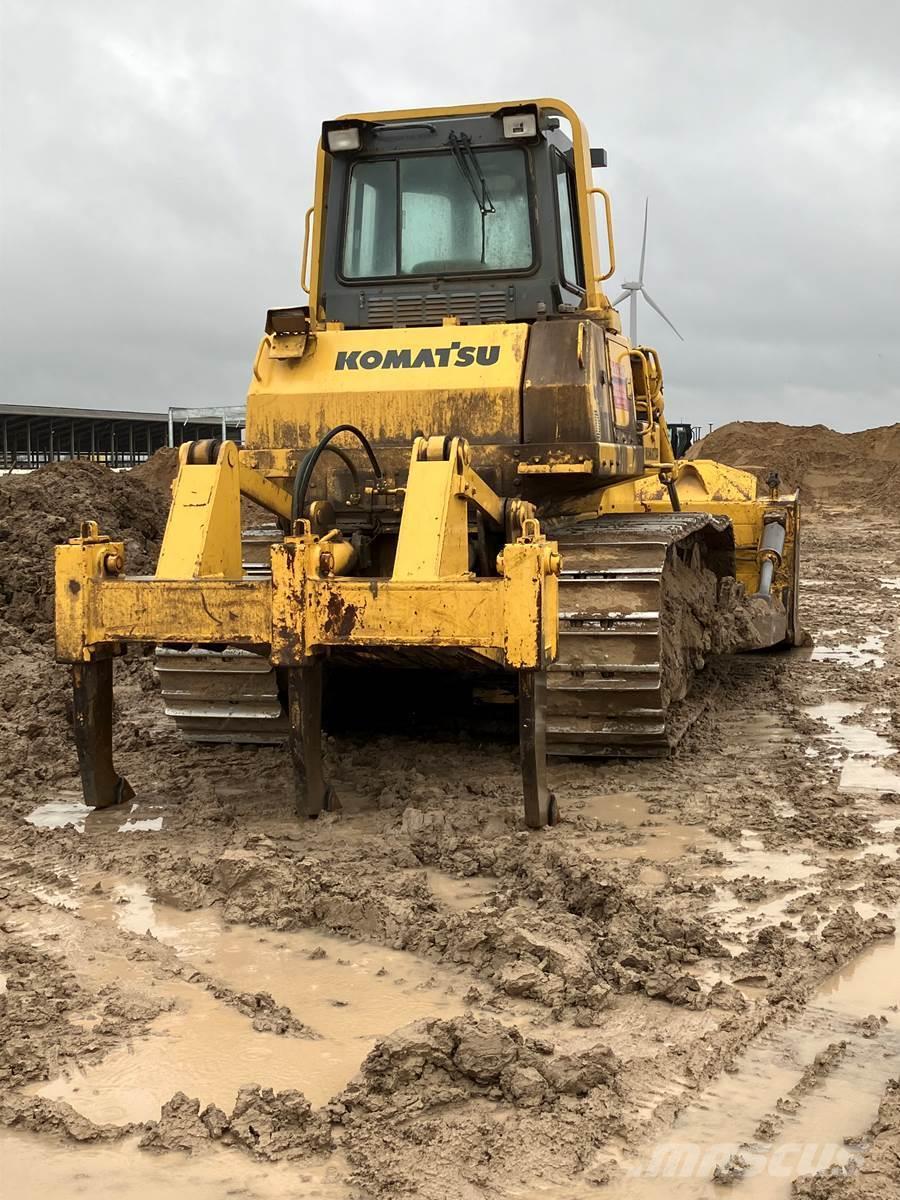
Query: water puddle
[[74, 813], [350, 993], [650, 836], [887, 828], [141, 825], [808, 1132], [868, 984], [859, 745], [57, 814], [857, 776], [750, 857], [741, 917], [37, 1166], [660, 843], [460, 894], [765, 729], [867, 653], [652, 876], [613, 808]]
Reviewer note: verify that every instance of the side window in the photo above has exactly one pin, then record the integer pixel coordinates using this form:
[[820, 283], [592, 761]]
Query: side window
[[370, 237], [568, 231]]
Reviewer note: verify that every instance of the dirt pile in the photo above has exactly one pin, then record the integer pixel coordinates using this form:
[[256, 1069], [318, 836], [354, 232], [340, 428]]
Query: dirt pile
[[38, 1115], [419, 1067], [270, 1125], [38, 512], [43, 509], [829, 467], [159, 471], [430, 1063]]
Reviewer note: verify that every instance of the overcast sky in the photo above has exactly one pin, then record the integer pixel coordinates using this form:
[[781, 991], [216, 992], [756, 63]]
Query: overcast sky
[[157, 160]]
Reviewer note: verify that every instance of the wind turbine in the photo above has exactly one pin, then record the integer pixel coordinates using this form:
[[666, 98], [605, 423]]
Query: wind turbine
[[635, 288]]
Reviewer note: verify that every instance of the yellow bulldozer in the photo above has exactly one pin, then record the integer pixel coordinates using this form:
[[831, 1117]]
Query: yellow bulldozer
[[466, 469]]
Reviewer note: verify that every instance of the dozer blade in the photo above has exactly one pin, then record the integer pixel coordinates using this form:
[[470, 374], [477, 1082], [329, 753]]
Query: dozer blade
[[92, 684]]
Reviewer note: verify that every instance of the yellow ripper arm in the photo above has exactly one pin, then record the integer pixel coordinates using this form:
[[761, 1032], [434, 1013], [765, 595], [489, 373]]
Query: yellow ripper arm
[[199, 595]]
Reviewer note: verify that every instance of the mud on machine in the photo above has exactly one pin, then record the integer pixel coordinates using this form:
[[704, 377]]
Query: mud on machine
[[466, 465]]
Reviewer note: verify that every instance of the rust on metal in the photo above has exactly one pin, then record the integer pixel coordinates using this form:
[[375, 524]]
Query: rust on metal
[[340, 616]]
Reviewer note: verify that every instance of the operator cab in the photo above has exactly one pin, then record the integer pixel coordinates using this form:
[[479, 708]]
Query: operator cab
[[467, 216]]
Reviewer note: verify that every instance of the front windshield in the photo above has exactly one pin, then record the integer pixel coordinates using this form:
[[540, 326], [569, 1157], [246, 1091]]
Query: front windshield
[[430, 215]]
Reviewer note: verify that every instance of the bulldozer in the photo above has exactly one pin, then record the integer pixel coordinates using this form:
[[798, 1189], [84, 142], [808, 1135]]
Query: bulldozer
[[465, 469]]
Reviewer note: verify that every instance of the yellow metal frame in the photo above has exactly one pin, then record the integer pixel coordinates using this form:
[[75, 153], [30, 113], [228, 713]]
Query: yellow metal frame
[[703, 485], [199, 594], [202, 538]]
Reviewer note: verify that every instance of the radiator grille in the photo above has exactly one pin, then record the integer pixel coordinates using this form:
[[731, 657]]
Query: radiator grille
[[473, 307]]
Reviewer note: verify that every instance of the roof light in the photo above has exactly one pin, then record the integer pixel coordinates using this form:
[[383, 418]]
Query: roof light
[[343, 139], [520, 125], [520, 121]]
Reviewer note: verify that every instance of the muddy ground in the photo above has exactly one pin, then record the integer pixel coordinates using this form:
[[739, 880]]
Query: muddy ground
[[692, 983]]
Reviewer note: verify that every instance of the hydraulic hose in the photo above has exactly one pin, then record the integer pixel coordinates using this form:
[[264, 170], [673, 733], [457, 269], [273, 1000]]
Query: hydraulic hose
[[308, 465]]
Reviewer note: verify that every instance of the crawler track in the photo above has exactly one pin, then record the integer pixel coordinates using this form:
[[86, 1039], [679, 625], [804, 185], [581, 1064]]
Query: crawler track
[[635, 593]]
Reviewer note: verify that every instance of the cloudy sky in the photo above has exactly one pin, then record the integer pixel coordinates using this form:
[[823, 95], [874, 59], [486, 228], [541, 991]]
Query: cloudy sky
[[157, 159]]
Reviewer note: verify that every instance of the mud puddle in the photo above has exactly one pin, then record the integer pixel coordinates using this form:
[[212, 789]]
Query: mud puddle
[[858, 745], [750, 860], [783, 1114], [71, 811], [204, 1049], [636, 833], [459, 894], [750, 857], [867, 653], [35, 1166], [739, 917], [660, 842], [612, 808], [347, 993], [766, 728]]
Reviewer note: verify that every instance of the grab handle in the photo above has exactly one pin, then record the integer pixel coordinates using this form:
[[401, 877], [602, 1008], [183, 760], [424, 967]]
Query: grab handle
[[607, 204], [304, 257]]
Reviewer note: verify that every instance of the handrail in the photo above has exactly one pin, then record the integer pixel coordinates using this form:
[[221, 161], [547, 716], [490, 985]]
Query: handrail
[[607, 204], [645, 400], [257, 374], [304, 257]]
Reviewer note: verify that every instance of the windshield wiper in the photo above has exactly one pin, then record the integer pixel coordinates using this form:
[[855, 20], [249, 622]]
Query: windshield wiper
[[470, 169]]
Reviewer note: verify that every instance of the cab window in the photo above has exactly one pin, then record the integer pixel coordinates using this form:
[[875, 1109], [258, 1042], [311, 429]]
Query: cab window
[[439, 214], [570, 242]]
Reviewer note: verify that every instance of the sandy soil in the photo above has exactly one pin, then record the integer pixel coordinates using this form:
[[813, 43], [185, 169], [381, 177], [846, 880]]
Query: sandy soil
[[691, 982]]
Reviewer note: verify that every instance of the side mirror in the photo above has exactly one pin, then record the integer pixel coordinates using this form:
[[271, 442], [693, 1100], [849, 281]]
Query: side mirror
[[598, 157]]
